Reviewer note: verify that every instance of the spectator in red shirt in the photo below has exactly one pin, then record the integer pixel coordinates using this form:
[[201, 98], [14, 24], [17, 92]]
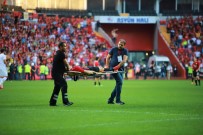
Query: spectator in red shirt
[[196, 68]]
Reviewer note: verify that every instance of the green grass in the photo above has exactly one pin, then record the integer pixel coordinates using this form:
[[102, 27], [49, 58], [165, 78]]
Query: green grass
[[153, 107]]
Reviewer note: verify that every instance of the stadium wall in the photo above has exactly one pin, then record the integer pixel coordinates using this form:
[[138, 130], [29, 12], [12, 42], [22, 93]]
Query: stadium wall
[[139, 37]]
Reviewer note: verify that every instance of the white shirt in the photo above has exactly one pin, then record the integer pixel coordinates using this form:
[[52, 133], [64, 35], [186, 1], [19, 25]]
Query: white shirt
[[169, 68], [3, 69], [198, 41], [197, 54], [2, 58]]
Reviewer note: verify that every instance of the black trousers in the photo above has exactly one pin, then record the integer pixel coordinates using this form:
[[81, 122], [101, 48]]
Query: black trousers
[[59, 84], [27, 76]]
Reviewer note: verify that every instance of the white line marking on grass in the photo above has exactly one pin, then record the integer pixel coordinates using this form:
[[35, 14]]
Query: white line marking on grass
[[137, 122], [100, 111], [132, 112]]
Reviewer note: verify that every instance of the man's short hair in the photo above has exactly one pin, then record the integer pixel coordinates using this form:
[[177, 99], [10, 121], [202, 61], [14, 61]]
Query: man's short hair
[[2, 50], [61, 44], [122, 41]]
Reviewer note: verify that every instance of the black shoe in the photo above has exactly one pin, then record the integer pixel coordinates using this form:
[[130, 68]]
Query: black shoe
[[110, 102], [120, 103], [68, 104], [52, 104]]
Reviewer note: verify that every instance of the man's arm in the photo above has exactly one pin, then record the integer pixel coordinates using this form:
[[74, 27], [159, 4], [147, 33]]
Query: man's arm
[[108, 60], [66, 64], [125, 58], [7, 60]]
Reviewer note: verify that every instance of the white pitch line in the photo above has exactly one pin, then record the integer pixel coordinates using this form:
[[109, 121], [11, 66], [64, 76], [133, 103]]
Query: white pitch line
[[133, 112], [136, 122], [100, 111]]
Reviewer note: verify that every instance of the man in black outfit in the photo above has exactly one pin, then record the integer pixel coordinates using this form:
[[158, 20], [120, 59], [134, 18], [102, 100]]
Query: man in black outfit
[[60, 66]]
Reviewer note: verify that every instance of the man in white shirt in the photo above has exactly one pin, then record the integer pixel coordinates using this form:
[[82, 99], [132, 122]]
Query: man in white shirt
[[3, 69], [198, 41], [169, 70], [197, 54]]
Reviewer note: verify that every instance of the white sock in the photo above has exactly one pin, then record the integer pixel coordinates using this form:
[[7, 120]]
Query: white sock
[[4, 79], [1, 81]]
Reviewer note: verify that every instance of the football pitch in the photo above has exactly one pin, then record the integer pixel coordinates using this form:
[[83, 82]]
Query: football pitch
[[153, 107]]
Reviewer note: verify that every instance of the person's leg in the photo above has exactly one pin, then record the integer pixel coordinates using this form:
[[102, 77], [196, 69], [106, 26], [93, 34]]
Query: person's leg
[[119, 83], [1, 83], [195, 77], [64, 91], [117, 90], [198, 78], [99, 78], [95, 81], [113, 95], [55, 94], [29, 76], [192, 79], [196, 81], [16, 76], [56, 90], [2, 80], [25, 76], [41, 77], [20, 76]]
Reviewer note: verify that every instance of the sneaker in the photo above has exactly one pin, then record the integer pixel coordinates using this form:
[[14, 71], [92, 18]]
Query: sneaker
[[110, 102], [68, 104], [120, 103]]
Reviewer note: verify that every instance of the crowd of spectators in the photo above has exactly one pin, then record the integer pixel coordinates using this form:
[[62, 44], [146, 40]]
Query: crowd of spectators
[[35, 42], [186, 35]]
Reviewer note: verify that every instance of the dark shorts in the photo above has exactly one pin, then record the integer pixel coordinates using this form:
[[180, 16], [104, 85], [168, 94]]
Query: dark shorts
[[96, 69], [195, 73]]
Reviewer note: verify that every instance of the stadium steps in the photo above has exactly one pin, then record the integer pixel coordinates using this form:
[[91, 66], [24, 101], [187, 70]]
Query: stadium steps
[[165, 34]]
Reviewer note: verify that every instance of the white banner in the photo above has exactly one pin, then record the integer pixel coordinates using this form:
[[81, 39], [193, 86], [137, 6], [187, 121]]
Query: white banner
[[127, 19]]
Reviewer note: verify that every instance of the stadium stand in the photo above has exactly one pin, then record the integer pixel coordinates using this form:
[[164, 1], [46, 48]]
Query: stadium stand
[[185, 37], [182, 30], [12, 8], [62, 12], [29, 42], [105, 12], [143, 13]]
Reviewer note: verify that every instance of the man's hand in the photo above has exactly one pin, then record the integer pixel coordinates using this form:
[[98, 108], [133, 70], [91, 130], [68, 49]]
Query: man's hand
[[67, 69], [116, 67], [106, 66]]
